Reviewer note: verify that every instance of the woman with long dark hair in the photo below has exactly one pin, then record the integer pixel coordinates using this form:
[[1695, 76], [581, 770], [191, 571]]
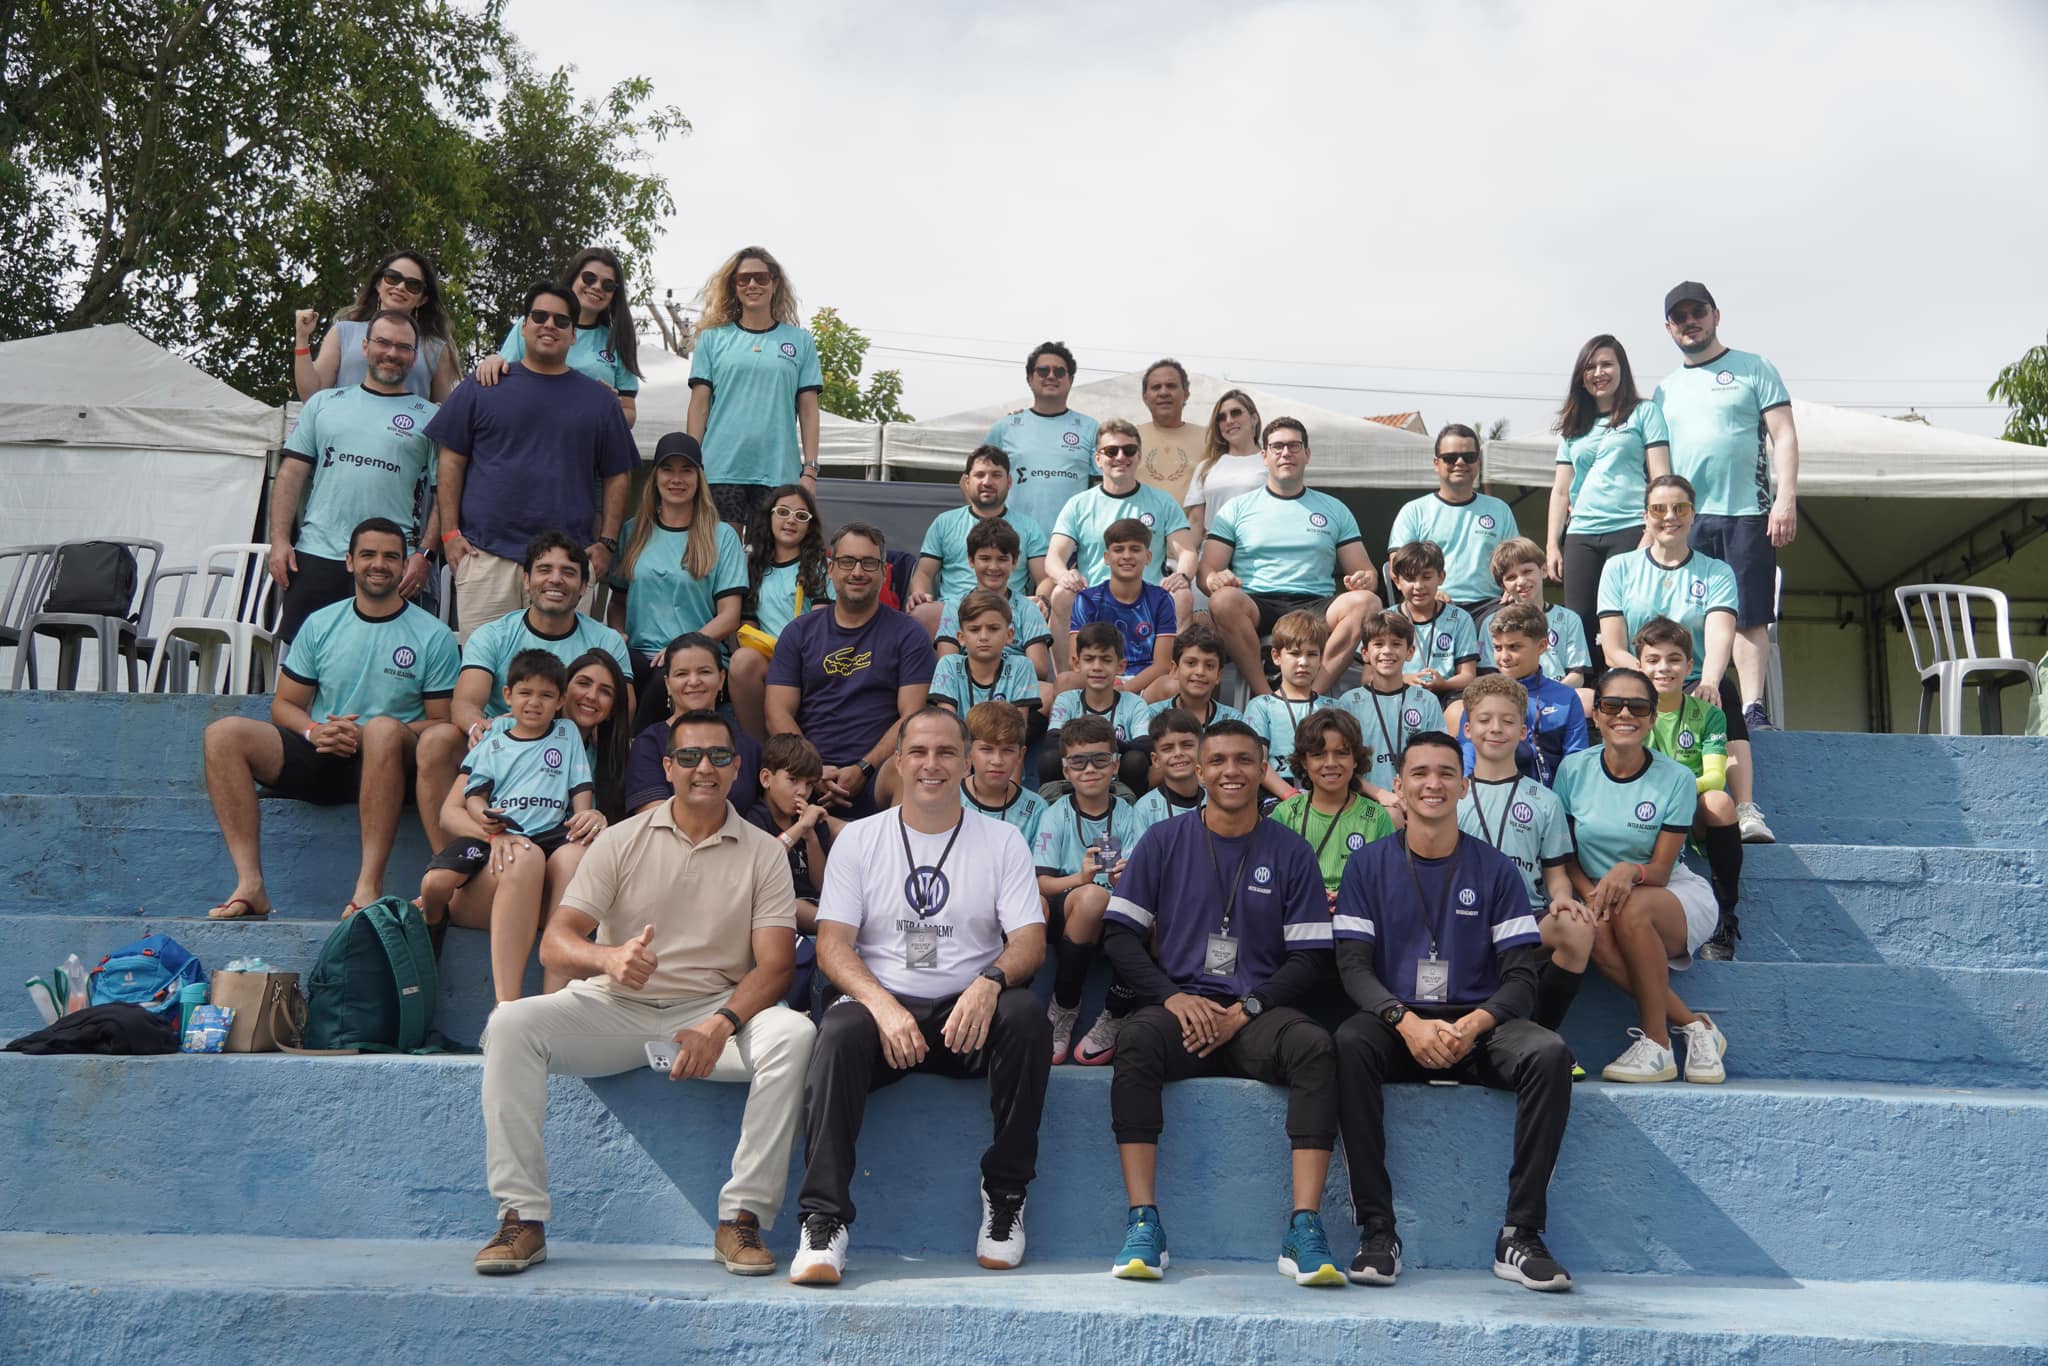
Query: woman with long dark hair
[[754, 385], [1611, 443], [694, 676], [596, 706], [403, 282], [786, 577], [606, 347]]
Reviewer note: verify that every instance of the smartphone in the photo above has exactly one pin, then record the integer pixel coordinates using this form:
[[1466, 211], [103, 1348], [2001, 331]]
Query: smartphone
[[502, 817], [661, 1056]]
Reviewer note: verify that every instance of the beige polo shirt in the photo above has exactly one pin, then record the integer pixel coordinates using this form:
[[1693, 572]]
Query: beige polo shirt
[[704, 900]]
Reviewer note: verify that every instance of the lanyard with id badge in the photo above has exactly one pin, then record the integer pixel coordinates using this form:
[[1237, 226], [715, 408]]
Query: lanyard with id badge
[[926, 891], [1219, 956], [1433, 974]]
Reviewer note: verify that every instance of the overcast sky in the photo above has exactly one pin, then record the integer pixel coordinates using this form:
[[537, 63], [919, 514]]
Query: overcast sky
[[1405, 201]]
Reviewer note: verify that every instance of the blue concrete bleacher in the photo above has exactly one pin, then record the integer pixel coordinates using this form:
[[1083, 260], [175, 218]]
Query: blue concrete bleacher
[[1868, 1184]]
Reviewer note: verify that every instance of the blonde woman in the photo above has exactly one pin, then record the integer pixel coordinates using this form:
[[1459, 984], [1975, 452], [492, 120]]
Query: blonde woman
[[1230, 462], [680, 570], [754, 386]]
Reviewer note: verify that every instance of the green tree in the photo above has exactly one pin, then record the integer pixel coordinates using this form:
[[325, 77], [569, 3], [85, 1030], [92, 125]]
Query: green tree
[[842, 351], [199, 170], [2023, 388]]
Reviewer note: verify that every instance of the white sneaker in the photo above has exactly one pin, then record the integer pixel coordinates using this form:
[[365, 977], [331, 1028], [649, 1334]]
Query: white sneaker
[[1098, 1045], [1749, 819], [1705, 1046], [1000, 1245], [820, 1252], [1645, 1060], [1062, 1018]]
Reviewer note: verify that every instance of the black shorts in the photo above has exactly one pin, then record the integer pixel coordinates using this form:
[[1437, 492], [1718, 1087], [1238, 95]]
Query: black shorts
[[318, 583], [310, 776], [1273, 606], [737, 503], [1745, 544], [467, 854]]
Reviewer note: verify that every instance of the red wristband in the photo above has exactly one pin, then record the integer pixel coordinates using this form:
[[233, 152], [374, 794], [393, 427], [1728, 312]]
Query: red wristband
[[448, 536]]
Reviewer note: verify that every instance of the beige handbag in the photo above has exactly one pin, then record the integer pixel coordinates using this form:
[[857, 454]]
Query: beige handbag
[[269, 1010]]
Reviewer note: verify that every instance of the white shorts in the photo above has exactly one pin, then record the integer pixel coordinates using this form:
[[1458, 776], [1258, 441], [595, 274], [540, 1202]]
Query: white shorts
[[1702, 913]]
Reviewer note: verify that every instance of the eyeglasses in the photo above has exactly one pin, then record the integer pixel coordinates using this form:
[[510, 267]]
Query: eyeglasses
[[596, 281], [867, 564], [541, 317], [1689, 313], [1083, 762], [797, 515], [1049, 371], [690, 756], [1661, 510], [743, 278], [1117, 450], [1287, 447], [1634, 706], [400, 347], [1459, 457], [411, 284]]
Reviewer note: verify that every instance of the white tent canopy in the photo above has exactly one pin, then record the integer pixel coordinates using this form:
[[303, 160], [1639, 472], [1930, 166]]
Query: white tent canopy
[[1348, 452], [844, 446]]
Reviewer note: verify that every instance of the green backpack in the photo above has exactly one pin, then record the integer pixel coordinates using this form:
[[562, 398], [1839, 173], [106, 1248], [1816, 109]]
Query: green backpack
[[375, 984]]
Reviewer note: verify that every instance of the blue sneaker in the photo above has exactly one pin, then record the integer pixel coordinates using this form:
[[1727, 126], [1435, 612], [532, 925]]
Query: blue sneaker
[[1306, 1255], [1143, 1257]]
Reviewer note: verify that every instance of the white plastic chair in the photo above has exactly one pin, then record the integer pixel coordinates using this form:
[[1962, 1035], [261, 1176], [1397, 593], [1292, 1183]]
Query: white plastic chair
[[239, 621], [1952, 661]]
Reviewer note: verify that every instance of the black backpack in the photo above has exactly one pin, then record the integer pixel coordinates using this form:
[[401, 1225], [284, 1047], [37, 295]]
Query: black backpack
[[93, 579]]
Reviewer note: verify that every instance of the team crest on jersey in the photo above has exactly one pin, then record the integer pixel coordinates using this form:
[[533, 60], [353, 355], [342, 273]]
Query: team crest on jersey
[[1071, 438], [552, 758], [1141, 629], [1725, 377], [1646, 811], [1443, 640], [607, 357], [845, 663], [1486, 521], [1147, 518], [403, 657], [927, 891], [1522, 812], [788, 349], [1686, 739], [1553, 640], [401, 422], [1262, 875], [1354, 841], [1467, 897], [1699, 588], [1412, 717], [1318, 520]]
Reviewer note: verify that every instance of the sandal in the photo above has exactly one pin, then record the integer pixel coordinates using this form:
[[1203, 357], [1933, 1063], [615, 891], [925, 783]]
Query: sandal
[[226, 910]]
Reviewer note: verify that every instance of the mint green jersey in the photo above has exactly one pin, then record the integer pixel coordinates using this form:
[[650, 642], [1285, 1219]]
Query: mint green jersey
[[1714, 412], [1163, 803], [1524, 820], [1611, 469], [1389, 721], [1286, 545], [1065, 836], [1276, 718], [1089, 514], [662, 599], [1016, 683], [754, 378], [1444, 642], [491, 646], [531, 780], [945, 540], [370, 457], [1051, 459], [373, 666], [1024, 809], [1025, 620], [1128, 716], [1565, 651], [1636, 588], [590, 354], [1465, 532], [1619, 821]]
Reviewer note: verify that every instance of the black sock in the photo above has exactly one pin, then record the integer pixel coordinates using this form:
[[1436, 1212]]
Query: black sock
[[1070, 970], [1120, 1000], [1556, 989], [1723, 846]]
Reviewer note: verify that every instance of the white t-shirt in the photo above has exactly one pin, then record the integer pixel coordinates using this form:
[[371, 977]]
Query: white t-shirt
[[986, 888], [1225, 480]]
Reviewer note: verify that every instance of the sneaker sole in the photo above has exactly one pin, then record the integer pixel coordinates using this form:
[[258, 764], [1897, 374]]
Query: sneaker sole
[[1668, 1074], [822, 1274], [742, 1268], [1508, 1273], [1326, 1274], [1135, 1270], [1714, 1078], [992, 1264], [506, 1266], [1375, 1277]]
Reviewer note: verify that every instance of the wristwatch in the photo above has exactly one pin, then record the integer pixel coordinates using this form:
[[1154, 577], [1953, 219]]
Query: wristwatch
[[1253, 1006], [812, 468], [1391, 1016], [610, 543], [731, 1018], [996, 975], [867, 770]]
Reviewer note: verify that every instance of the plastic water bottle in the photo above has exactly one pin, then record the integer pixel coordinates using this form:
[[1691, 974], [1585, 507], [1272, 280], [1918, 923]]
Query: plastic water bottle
[[74, 983], [44, 999]]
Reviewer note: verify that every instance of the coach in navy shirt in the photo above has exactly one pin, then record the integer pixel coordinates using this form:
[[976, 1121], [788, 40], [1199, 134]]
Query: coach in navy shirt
[[1240, 930], [1437, 948]]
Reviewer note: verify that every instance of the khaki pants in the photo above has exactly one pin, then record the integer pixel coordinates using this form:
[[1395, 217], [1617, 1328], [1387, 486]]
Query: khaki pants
[[486, 588], [586, 1031]]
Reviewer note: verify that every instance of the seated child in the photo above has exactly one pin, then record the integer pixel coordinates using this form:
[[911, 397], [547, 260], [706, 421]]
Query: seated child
[[519, 817], [1556, 723], [1176, 737], [987, 671], [992, 551], [788, 809], [1334, 815], [1390, 711], [1198, 659], [1518, 568], [1298, 640], [1142, 612], [1083, 841], [996, 757], [1098, 659], [1695, 733], [1446, 653]]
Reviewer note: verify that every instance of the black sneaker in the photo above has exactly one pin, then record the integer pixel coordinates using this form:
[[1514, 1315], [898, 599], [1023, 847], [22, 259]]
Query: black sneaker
[[1379, 1258], [1756, 717], [1519, 1255], [1720, 947]]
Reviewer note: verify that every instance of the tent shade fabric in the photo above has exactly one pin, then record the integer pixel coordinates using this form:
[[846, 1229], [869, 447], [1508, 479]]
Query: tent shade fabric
[[113, 387], [663, 406]]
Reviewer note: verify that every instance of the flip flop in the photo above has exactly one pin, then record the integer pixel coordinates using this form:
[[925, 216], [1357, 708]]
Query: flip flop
[[226, 910], [349, 910]]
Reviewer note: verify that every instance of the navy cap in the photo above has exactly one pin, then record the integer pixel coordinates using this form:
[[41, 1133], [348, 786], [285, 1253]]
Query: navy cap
[[679, 446], [1687, 291]]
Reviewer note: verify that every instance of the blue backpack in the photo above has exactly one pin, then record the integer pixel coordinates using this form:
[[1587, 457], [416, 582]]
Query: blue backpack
[[148, 973]]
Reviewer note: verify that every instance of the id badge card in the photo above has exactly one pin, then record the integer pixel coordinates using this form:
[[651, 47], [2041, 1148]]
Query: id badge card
[[921, 947], [1220, 958], [1432, 980]]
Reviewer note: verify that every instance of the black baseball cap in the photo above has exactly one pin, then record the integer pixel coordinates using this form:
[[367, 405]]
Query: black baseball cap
[[679, 446], [1687, 291]]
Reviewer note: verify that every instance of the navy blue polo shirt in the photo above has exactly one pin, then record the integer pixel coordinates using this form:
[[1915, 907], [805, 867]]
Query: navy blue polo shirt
[[1476, 896]]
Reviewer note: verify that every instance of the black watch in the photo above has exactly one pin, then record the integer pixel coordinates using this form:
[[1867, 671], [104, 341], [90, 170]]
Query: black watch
[[1392, 1015], [610, 543], [1253, 1006], [996, 975], [867, 770], [731, 1018]]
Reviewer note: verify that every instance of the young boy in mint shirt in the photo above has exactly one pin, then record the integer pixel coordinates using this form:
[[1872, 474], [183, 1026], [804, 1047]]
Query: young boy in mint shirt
[[1390, 711]]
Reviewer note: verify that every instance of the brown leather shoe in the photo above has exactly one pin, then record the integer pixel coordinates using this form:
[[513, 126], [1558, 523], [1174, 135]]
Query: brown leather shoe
[[519, 1244], [738, 1246]]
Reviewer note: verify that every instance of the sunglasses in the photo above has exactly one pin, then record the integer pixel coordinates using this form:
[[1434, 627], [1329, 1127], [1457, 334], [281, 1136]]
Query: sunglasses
[[867, 564], [1688, 313], [797, 515], [1460, 457], [1049, 371], [1233, 414], [596, 281], [1118, 450], [1634, 706], [541, 317], [1670, 509], [1083, 762], [411, 284], [743, 278], [690, 756]]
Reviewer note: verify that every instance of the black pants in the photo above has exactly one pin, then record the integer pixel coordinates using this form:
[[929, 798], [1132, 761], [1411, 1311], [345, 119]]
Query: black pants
[[1282, 1047], [847, 1064], [1584, 558], [1516, 1056], [317, 584]]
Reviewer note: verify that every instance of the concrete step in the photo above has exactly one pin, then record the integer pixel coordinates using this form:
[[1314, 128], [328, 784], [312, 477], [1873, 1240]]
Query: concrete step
[[1748, 1179], [277, 1299], [1837, 788]]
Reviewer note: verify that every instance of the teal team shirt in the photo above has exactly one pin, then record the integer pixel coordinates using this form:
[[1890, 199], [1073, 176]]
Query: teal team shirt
[[1024, 810], [945, 540], [1524, 820], [1065, 836], [1051, 460], [370, 458], [1128, 717], [1611, 470], [1025, 619], [1276, 718], [531, 781], [754, 378], [1161, 803], [1389, 721], [1619, 822], [1565, 652], [373, 666], [1016, 682], [1714, 413], [1217, 711], [1636, 588], [1444, 642], [1286, 545], [492, 645], [590, 354], [1088, 515], [775, 605], [1465, 532], [662, 600]]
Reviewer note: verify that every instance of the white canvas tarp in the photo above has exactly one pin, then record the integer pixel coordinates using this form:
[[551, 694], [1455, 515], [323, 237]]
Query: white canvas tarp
[[845, 447]]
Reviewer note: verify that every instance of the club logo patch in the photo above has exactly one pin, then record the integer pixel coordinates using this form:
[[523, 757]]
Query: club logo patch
[[1646, 811], [1443, 640], [607, 357], [1262, 875], [1071, 438], [927, 890], [1141, 629], [1354, 841], [1412, 717], [1553, 640], [1686, 739], [1487, 522], [552, 758], [1725, 377], [788, 349], [1522, 812], [403, 657], [1467, 897], [1699, 590], [401, 422], [1147, 518], [1318, 521]]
